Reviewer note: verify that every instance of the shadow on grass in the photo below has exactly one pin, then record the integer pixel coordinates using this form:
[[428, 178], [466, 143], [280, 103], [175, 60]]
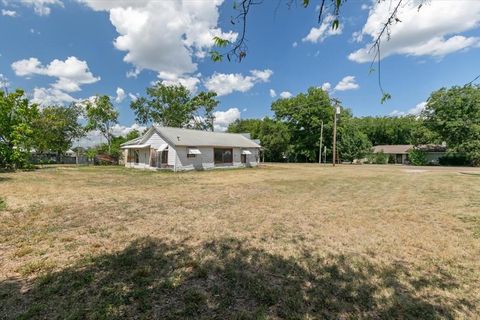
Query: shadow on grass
[[224, 280]]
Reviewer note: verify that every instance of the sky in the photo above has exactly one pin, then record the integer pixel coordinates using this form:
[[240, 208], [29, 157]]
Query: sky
[[61, 51]]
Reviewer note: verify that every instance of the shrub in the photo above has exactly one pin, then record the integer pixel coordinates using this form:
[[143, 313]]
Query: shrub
[[381, 158], [417, 157], [454, 159], [377, 158]]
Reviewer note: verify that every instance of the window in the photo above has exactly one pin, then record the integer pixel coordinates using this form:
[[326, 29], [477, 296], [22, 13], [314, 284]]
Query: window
[[222, 155], [192, 152], [136, 155], [164, 156], [244, 158]]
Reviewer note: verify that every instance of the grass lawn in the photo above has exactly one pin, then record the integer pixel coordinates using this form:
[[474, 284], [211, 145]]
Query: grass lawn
[[281, 241]]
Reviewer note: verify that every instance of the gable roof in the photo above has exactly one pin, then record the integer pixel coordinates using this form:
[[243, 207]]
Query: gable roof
[[132, 142], [393, 149], [197, 138]]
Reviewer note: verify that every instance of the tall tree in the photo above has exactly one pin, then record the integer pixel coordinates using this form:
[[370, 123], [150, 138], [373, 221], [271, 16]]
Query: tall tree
[[205, 102], [303, 115], [16, 132], [274, 136], [251, 126], [101, 116], [57, 127], [174, 106], [454, 114], [352, 143]]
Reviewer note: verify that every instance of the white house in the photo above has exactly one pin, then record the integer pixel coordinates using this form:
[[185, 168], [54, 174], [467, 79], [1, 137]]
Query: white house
[[185, 149]]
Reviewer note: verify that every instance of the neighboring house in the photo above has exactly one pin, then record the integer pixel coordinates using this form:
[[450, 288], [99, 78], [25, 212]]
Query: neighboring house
[[185, 149], [399, 152]]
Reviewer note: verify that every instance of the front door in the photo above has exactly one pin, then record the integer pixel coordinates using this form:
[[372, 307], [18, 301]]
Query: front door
[[399, 158]]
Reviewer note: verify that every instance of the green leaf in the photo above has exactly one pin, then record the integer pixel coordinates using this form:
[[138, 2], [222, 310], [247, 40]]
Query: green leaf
[[306, 3], [335, 24], [219, 42], [215, 56], [386, 96]]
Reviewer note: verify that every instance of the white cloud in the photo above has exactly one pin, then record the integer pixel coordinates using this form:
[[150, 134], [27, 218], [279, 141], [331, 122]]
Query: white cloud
[[412, 111], [365, 6], [224, 118], [4, 83], [326, 86], [51, 96], [285, 95], [188, 82], [41, 7], [163, 36], [9, 13], [120, 95], [262, 75], [224, 84], [431, 31], [347, 83], [273, 94], [323, 31], [132, 96], [94, 138], [71, 73], [121, 130], [295, 44]]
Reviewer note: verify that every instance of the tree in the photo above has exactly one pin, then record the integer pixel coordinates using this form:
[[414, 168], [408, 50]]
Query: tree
[[454, 114], [101, 116], [274, 136], [275, 140], [57, 127], [115, 149], [352, 143], [208, 102], [174, 106], [251, 126], [303, 115], [16, 132]]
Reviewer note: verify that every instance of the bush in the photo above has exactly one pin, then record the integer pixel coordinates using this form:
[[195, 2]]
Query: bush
[[417, 157], [381, 158], [454, 159], [377, 158]]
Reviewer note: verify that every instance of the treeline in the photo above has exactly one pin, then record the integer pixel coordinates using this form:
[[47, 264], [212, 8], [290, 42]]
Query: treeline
[[26, 127], [293, 133]]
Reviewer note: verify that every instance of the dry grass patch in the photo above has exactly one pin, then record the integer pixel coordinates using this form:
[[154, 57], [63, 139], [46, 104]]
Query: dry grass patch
[[281, 241]]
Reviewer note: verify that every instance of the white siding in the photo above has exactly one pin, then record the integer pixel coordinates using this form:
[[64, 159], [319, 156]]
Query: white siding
[[177, 156], [205, 160], [172, 154], [155, 141], [143, 160]]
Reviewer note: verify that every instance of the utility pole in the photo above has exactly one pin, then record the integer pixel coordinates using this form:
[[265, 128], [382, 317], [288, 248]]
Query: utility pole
[[336, 111], [320, 149]]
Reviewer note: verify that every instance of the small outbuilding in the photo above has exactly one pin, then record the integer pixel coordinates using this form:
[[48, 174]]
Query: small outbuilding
[[180, 149]]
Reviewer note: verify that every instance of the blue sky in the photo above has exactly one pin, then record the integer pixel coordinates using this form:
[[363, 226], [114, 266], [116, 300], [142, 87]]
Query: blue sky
[[61, 51]]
